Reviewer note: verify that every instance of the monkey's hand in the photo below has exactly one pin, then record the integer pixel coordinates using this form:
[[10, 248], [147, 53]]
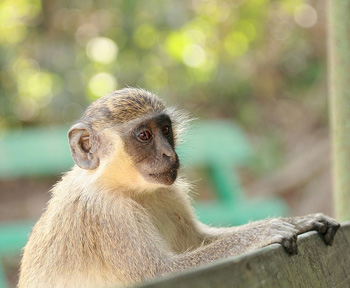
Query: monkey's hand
[[282, 232], [285, 230], [325, 225]]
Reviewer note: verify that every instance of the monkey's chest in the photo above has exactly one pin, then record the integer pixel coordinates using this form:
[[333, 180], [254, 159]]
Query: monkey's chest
[[177, 231]]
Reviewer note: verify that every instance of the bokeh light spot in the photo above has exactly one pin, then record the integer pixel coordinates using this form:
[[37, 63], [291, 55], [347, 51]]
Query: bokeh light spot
[[236, 44], [194, 56], [34, 84], [26, 109], [305, 16], [145, 36], [14, 16], [102, 50], [101, 84], [176, 43]]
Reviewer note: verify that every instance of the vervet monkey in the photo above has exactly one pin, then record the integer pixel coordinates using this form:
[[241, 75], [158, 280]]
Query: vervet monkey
[[122, 215]]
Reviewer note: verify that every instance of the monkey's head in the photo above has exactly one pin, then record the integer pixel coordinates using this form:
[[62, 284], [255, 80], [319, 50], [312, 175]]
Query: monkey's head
[[128, 136]]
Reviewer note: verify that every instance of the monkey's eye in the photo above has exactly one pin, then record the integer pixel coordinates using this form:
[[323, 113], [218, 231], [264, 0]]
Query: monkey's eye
[[166, 130], [144, 136]]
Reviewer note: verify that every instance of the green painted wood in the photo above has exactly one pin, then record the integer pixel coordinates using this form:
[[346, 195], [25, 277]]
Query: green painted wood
[[3, 282], [34, 152], [234, 214], [13, 236], [214, 141], [315, 266], [339, 63]]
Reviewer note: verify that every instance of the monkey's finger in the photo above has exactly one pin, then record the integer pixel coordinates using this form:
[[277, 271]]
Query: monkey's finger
[[320, 227], [290, 244], [329, 235]]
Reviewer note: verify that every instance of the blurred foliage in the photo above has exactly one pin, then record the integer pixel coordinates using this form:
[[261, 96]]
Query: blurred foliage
[[231, 58]]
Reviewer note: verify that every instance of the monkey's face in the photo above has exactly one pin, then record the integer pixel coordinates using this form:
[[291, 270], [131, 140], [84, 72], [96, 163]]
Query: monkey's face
[[150, 144]]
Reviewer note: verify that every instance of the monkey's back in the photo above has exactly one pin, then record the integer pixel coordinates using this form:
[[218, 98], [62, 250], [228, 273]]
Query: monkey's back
[[65, 247]]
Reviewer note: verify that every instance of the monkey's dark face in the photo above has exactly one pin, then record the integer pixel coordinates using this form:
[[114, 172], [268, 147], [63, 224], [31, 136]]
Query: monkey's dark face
[[150, 144]]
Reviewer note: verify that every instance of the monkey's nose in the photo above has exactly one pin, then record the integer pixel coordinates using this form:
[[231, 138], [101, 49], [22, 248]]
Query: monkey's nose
[[167, 151], [171, 158], [170, 155]]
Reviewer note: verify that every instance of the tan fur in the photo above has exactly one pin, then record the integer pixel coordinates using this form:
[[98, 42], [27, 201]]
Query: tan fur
[[118, 171], [131, 104], [108, 227]]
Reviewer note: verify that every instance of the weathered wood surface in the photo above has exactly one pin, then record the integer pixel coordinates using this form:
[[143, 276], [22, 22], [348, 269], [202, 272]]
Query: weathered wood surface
[[316, 265]]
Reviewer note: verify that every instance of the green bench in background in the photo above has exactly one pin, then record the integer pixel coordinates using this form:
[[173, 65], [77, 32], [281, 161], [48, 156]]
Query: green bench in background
[[13, 237], [220, 146]]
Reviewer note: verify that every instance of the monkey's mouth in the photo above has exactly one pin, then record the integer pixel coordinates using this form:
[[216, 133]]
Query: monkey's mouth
[[166, 177], [163, 173]]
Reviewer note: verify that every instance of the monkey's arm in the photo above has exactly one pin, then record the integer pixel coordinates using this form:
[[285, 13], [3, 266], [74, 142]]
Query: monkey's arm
[[285, 231], [233, 241], [140, 252], [156, 257]]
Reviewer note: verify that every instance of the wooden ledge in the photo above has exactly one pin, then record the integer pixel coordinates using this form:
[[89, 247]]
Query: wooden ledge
[[316, 265]]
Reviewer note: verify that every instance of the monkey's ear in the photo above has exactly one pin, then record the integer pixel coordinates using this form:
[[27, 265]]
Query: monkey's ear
[[81, 142]]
